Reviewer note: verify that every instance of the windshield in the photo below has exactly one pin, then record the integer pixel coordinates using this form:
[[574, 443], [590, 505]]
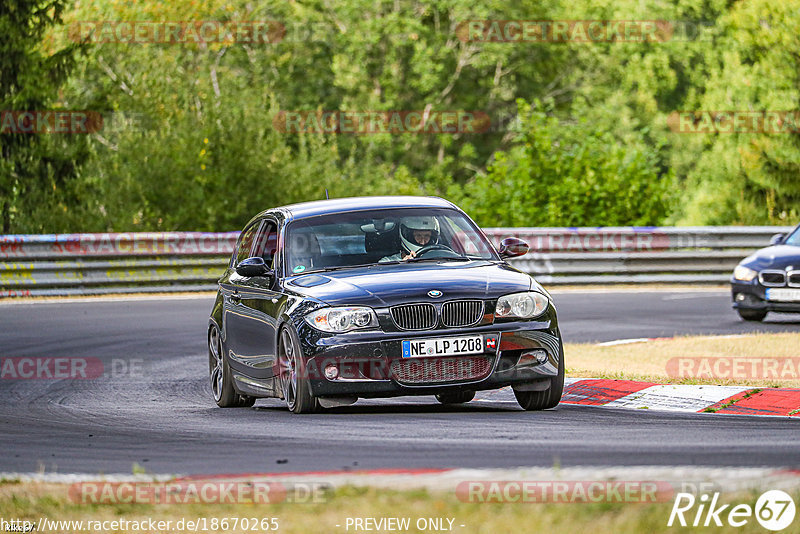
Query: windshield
[[793, 239], [383, 236]]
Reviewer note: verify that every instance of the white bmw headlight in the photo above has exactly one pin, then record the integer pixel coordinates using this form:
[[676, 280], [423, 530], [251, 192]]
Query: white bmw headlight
[[745, 274], [342, 319], [521, 305]]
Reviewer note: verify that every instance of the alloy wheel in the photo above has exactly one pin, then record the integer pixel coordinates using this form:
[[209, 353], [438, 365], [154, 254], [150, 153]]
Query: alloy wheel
[[215, 356], [288, 366]]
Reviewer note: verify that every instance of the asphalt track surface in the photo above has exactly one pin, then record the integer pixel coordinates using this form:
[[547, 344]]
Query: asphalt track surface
[[162, 416]]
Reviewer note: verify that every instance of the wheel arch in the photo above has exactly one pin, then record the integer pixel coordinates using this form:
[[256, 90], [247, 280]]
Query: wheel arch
[[216, 316]]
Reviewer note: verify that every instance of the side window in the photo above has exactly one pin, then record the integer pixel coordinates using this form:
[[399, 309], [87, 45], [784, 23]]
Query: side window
[[267, 242], [245, 244]]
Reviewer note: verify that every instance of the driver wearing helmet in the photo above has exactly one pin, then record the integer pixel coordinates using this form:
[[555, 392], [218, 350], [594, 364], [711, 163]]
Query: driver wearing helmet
[[416, 233]]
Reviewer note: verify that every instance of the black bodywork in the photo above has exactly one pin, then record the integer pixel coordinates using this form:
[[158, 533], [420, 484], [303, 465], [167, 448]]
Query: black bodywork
[[777, 266], [251, 311]]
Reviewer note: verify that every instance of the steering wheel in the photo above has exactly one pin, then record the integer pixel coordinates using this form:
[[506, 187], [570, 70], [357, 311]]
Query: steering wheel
[[428, 248]]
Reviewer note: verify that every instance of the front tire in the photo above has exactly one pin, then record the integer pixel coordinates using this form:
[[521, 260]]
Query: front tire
[[752, 315], [294, 381], [549, 398]]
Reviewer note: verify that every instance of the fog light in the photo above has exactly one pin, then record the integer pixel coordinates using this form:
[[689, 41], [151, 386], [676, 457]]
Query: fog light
[[532, 357], [331, 372], [740, 297]]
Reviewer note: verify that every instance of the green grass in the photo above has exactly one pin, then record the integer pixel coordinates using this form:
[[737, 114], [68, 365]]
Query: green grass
[[31, 501], [649, 361]]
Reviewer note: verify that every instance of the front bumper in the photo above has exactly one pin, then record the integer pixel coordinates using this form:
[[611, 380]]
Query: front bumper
[[369, 361], [753, 296]]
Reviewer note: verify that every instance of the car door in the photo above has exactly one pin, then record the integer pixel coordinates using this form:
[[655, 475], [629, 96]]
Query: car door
[[230, 287], [253, 310]]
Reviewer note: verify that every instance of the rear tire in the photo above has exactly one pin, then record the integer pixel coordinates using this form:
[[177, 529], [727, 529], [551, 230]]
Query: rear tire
[[295, 385], [542, 400], [456, 398], [752, 315]]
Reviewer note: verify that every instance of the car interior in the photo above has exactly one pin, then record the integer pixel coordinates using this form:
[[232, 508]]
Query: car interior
[[309, 250], [356, 242]]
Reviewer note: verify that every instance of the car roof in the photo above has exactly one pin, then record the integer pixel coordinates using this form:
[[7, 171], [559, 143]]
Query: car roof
[[337, 205]]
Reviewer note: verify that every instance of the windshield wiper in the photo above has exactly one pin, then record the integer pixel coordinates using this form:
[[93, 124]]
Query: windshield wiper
[[335, 268], [460, 258], [416, 260]]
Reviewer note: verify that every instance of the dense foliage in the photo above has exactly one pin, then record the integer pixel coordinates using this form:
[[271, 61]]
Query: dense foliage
[[579, 136], [33, 167]]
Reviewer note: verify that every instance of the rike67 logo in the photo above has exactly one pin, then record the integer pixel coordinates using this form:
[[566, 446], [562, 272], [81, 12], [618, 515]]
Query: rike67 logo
[[774, 510]]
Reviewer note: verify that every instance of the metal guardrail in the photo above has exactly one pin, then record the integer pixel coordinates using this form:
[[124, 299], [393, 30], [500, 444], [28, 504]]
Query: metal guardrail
[[80, 264], [634, 255]]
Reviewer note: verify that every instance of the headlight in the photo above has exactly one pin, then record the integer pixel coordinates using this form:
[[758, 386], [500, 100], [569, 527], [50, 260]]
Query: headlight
[[521, 305], [342, 319], [745, 274]]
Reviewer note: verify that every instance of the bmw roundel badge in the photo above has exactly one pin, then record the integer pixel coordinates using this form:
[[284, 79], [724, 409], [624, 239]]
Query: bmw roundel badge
[[434, 293]]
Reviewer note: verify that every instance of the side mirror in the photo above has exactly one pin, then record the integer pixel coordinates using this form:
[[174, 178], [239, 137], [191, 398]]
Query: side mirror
[[511, 247], [777, 239], [254, 266]]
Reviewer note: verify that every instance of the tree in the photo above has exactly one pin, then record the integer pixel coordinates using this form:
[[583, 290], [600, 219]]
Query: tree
[[201, 152], [568, 174], [748, 178], [33, 168]]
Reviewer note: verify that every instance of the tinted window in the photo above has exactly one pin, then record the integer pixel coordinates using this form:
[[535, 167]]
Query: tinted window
[[266, 242], [381, 236], [245, 243]]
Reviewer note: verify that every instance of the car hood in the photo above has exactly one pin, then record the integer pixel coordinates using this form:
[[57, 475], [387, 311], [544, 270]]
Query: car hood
[[775, 257], [388, 285]]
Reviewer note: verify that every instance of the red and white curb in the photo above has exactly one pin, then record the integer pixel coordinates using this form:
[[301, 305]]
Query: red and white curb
[[735, 400]]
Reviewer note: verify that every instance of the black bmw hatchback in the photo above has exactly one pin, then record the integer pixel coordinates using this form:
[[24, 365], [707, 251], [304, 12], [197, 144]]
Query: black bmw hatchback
[[769, 280], [330, 301]]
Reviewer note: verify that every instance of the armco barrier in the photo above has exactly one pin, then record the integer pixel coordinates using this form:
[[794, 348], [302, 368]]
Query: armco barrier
[[68, 264], [632, 255]]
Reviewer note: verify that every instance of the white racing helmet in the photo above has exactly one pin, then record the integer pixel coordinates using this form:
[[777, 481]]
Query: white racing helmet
[[423, 222]]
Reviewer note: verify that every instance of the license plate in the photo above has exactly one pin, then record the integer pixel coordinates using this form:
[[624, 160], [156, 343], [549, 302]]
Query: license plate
[[447, 346], [783, 294]]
